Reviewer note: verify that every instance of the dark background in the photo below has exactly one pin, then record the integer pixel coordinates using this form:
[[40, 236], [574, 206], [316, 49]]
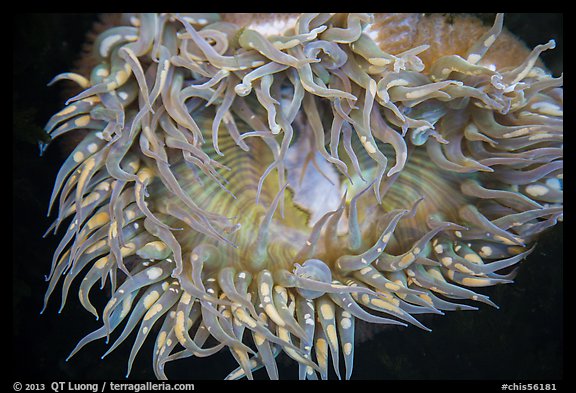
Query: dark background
[[521, 340]]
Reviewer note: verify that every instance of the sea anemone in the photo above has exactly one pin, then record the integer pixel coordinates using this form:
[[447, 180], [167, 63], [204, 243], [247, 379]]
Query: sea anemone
[[257, 183]]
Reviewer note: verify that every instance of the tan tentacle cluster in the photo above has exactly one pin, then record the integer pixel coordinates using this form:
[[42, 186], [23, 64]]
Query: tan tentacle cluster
[[261, 183]]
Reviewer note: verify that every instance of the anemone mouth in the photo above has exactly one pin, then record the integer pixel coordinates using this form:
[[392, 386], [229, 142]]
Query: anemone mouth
[[266, 184]]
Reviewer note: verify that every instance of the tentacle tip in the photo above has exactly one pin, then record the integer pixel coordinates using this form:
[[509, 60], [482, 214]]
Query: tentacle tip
[[43, 147], [52, 81]]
